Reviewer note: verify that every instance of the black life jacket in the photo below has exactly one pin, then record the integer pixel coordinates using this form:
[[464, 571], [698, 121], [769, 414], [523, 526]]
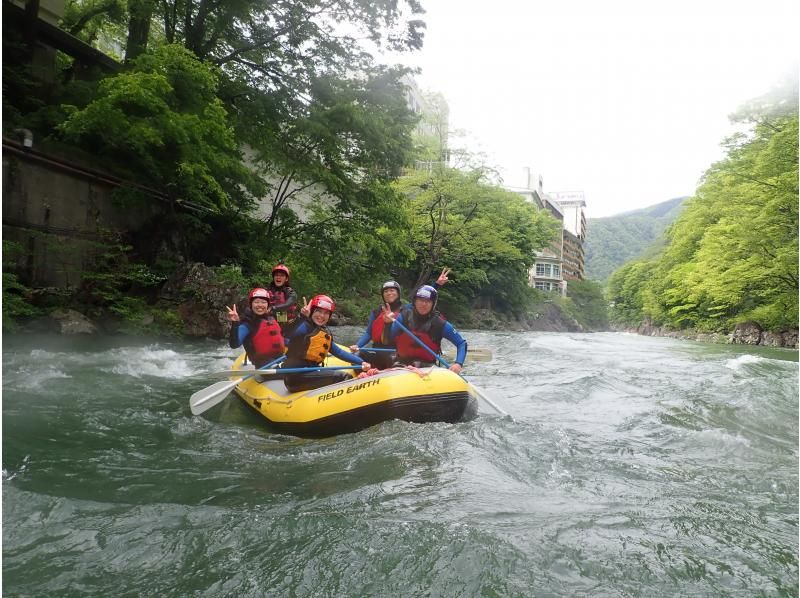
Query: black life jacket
[[280, 295], [311, 347]]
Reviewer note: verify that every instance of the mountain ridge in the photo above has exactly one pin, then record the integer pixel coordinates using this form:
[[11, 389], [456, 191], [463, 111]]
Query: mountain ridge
[[613, 240]]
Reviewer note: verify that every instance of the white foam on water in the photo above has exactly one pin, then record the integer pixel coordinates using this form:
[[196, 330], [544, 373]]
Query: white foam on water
[[736, 363], [717, 437], [173, 368], [10, 475]]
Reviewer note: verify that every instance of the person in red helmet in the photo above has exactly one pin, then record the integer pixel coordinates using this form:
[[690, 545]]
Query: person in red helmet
[[309, 342], [256, 329], [284, 298]]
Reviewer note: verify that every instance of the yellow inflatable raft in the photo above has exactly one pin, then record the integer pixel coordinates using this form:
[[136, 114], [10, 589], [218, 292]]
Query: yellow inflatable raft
[[438, 395]]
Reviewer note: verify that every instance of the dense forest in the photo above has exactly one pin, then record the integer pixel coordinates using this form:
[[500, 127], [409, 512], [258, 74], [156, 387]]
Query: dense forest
[[732, 254], [275, 134], [614, 240]]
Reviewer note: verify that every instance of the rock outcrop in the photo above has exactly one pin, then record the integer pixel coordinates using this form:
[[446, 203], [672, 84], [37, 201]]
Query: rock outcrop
[[69, 321]]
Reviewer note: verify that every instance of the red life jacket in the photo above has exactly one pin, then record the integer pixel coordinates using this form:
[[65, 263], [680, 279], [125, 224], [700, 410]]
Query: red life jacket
[[280, 295], [265, 341], [376, 331], [429, 332]]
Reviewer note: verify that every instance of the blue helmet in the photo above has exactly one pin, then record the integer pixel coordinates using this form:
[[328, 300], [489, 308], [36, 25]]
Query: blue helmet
[[426, 291]]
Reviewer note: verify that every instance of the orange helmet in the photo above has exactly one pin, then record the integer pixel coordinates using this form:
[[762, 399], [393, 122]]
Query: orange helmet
[[281, 267], [258, 293], [322, 302]]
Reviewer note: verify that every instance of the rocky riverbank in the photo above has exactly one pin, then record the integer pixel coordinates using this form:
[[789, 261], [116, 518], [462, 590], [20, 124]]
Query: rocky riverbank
[[747, 333], [191, 304]]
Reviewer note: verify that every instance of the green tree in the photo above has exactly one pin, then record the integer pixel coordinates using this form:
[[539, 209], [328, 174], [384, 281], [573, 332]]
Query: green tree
[[590, 303], [486, 234], [164, 121], [732, 255]]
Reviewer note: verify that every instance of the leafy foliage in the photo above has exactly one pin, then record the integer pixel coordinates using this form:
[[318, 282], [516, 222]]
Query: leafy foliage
[[486, 233], [164, 119], [15, 305], [733, 254], [590, 303]]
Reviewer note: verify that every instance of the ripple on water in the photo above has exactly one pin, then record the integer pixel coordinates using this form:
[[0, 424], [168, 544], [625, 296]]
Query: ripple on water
[[630, 466]]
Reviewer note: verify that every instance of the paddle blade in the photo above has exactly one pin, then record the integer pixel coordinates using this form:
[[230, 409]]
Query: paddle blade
[[209, 396], [490, 402], [477, 354]]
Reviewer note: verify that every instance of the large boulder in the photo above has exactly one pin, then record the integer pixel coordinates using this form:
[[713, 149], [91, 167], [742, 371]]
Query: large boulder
[[69, 321], [201, 300], [790, 339], [746, 333]]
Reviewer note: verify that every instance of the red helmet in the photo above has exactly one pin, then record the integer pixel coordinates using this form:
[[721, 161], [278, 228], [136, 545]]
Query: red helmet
[[281, 267], [258, 293], [322, 302]]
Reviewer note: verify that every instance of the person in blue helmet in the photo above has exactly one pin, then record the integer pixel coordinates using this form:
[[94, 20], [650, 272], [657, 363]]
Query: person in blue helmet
[[390, 293], [427, 325]]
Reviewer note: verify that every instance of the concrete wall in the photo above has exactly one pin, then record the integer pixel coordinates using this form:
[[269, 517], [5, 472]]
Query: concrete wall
[[60, 212]]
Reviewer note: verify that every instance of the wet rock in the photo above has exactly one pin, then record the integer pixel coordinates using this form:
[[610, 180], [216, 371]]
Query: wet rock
[[790, 339], [69, 321], [772, 339], [201, 300], [747, 333]]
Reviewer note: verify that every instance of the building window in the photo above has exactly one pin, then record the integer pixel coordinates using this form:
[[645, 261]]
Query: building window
[[556, 271], [540, 269], [542, 286]]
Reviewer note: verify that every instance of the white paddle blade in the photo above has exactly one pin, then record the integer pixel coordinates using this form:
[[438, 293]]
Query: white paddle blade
[[489, 401], [209, 396], [477, 354]]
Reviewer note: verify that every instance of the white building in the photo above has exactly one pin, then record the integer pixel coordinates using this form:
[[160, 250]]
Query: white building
[[572, 204], [546, 272]]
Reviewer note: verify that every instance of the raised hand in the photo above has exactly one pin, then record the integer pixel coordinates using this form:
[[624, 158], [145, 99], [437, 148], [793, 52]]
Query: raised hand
[[233, 315], [443, 277], [354, 348], [305, 310], [388, 316]]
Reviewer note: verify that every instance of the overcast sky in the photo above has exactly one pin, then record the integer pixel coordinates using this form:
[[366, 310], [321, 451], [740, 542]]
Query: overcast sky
[[626, 100]]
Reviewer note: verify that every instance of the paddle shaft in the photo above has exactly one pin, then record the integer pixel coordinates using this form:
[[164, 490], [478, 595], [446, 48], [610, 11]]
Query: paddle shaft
[[206, 398], [441, 360]]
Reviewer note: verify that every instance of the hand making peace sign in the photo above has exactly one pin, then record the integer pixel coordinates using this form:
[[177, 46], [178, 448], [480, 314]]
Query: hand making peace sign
[[443, 277], [306, 309], [233, 315], [388, 316]]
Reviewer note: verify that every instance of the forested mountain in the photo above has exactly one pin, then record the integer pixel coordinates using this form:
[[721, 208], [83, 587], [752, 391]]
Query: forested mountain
[[732, 254], [612, 241]]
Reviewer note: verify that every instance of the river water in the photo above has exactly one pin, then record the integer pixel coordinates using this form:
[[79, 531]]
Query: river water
[[628, 466]]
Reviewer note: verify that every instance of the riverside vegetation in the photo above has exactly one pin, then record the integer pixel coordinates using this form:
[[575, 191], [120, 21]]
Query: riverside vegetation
[[289, 140], [731, 257]]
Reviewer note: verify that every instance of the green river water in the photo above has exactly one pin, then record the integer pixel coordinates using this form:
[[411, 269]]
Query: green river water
[[629, 466]]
